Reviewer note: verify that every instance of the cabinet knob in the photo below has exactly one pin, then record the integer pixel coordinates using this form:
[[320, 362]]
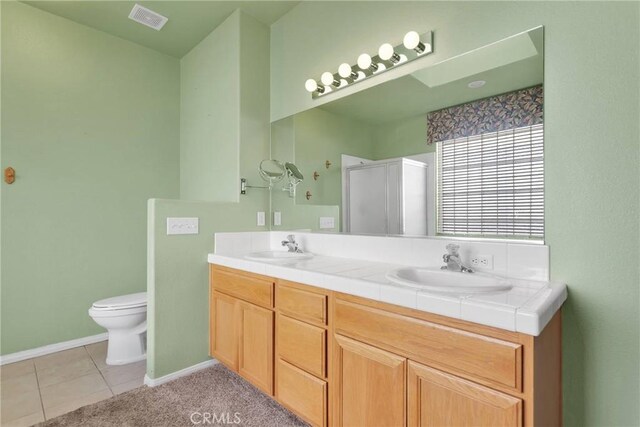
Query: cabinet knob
[[9, 175]]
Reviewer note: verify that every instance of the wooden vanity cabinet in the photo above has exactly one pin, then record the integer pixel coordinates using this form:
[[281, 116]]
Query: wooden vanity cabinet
[[224, 333], [370, 385], [436, 398], [255, 346], [339, 360], [302, 325], [457, 373], [242, 324]]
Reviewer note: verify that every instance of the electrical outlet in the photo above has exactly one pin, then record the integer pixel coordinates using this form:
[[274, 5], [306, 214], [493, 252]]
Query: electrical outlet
[[482, 261], [277, 218], [260, 219], [327, 222]]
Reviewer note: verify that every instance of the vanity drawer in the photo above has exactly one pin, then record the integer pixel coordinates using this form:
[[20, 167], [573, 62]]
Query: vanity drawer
[[303, 393], [302, 345], [302, 304], [249, 287], [471, 355]]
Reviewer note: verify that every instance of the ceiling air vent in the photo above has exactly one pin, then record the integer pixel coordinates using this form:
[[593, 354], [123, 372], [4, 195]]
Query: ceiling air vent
[[148, 17]]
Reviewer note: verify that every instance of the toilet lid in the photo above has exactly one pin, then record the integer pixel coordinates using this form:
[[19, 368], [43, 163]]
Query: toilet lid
[[122, 301]]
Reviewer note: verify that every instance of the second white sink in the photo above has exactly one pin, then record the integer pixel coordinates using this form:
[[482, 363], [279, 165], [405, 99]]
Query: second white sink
[[448, 281], [276, 256]]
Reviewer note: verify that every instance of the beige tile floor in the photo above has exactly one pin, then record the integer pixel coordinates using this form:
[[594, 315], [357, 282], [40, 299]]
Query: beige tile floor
[[43, 388]]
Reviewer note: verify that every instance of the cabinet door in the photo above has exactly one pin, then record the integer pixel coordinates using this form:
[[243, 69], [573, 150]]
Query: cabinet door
[[370, 385], [303, 393], [224, 330], [255, 360], [439, 399]]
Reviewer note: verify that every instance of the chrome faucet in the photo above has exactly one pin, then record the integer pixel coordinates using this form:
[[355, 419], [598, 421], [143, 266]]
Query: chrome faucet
[[453, 261], [291, 244]]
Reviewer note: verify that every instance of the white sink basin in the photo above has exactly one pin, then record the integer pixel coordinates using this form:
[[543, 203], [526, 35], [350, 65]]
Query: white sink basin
[[276, 256], [450, 282]]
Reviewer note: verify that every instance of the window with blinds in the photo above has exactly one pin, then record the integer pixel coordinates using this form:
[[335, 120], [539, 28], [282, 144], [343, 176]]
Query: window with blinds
[[492, 184]]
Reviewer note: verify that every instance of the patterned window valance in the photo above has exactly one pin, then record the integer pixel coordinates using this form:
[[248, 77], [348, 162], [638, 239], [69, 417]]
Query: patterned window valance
[[507, 111]]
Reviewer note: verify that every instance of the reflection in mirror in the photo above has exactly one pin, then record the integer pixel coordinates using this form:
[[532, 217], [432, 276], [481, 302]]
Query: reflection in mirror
[[272, 171], [452, 149], [294, 177], [293, 171]]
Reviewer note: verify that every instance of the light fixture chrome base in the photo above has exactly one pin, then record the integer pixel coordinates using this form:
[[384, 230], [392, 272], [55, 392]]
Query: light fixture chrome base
[[401, 54]]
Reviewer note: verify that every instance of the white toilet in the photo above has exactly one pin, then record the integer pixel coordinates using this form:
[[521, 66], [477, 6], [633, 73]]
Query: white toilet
[[125, 318]]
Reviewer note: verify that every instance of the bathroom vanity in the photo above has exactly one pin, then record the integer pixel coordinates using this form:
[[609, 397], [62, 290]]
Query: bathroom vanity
[[338, 349], [368, 330]]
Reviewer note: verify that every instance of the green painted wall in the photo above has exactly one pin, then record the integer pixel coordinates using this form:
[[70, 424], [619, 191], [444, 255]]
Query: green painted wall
[[255, 137], [177, 265], [591, 155], [321, 136], [309, 139], [90, 123], [402, 138], [189, 21], [178, 311], [209, 88]]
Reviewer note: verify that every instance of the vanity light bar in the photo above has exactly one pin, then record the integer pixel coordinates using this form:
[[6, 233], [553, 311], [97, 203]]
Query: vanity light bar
[[413, 46]]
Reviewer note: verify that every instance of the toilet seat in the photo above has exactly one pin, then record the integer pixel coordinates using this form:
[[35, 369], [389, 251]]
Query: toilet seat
[[122, 302], [122, 312]]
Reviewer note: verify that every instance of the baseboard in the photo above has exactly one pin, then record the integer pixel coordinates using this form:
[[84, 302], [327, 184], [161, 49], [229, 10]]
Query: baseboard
[[51, 348], [152, 382]]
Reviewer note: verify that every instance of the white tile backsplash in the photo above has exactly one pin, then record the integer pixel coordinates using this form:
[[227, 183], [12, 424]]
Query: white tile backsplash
[[497, 250], [260, 241], [528, 261], [514, 260]]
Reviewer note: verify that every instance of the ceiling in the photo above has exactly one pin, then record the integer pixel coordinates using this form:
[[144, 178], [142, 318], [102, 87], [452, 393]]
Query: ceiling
[[189, 21], [511, 64]]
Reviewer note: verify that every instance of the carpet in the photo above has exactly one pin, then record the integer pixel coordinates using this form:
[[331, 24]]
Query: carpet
[[214, 396]]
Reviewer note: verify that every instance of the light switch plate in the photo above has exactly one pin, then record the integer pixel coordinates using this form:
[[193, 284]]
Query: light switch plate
[[182, 225], [327, 222], [260, 219], [277, 218]]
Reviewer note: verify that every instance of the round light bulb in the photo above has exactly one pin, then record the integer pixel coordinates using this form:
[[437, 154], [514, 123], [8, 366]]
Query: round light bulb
[[386, 52], [326, 78], [344, 70], [364, 61], [311, 85], [411, 40]]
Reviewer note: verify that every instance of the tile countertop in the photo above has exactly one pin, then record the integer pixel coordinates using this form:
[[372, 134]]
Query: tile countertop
[[526, 308]]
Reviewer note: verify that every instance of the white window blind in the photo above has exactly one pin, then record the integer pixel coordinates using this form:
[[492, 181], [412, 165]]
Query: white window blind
[[492, 184]]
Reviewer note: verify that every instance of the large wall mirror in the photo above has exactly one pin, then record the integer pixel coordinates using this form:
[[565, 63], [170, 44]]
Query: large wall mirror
[[453, 149]]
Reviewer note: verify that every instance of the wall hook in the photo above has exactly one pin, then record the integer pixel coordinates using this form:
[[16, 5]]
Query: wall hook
[[9, 175], [327, 164], [308, 195], [315, 176]]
